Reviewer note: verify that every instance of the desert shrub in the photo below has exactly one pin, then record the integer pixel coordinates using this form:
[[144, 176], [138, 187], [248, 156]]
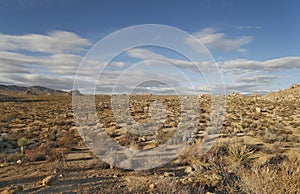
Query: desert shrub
[[52, 136], [241, 153], [37, 154], [57, 154], [190, 155], [67, 140], [229, 183], [276, 160], [217, 152], [220, 149], [22, 142], [283, 178]]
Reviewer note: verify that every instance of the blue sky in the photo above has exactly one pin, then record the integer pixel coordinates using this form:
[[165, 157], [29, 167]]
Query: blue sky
[[256, 43]]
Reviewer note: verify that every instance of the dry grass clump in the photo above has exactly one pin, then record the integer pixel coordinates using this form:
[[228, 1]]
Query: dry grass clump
[[160, 184], [190, 154], [283, 178], [211, 169], [230, 168]]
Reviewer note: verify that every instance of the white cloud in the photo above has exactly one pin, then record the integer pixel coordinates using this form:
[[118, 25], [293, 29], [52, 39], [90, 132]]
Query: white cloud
[[241, 87], [265, 79], [248, 88], [57, 68], [53, 42], [254, 76], [147, 55], [277, 64], [63, 63], [215, 40]]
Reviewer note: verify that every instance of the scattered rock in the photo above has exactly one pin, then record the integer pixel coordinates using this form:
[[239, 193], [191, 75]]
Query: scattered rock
[[19, 162], [234, 94], [189, 170], [168, 174], [294, 86], [258, 110], [49, 180], [122, 186], [12, 189], [185, 180], [151, 186]]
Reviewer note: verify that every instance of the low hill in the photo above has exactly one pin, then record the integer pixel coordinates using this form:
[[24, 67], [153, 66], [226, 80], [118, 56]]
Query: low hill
[[290, 94], [30, 89]]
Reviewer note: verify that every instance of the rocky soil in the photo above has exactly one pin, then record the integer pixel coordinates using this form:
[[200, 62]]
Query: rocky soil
[[256, 150]]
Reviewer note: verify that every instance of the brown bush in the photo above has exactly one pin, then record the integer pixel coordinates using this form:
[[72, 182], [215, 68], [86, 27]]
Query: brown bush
[[273, 178], [57, 154], [67, 140], [37, 154]]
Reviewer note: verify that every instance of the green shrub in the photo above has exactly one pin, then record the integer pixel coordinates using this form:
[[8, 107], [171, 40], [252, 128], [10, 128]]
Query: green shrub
[[241, 153], [22, 142]]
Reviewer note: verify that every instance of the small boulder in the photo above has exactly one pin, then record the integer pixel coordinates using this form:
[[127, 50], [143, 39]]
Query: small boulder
[[189, 170], [258, 110], [47, 181], [151, 186], [168, 174]]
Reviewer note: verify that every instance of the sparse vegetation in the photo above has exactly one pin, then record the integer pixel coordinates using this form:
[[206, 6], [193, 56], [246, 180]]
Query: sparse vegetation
[[22, 142], [37, 154], [241, 153], [255, 152]]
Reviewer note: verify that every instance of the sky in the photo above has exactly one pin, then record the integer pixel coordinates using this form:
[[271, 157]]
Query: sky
[[255, 45]]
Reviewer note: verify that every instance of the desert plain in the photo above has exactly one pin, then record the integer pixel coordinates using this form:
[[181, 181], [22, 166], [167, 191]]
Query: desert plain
[[256, 150]]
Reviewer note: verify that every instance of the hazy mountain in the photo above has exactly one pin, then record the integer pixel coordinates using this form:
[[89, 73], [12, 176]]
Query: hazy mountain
[[33, 89]]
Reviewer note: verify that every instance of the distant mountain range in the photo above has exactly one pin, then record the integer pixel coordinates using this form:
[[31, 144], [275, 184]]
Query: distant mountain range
[[33, 89], [293, 91]]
